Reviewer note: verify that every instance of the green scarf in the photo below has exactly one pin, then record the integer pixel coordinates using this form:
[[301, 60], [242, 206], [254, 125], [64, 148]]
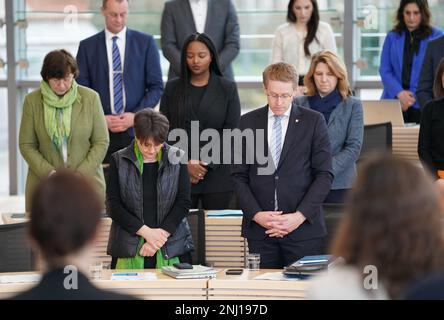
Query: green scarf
[[138, 262], [57, 112]]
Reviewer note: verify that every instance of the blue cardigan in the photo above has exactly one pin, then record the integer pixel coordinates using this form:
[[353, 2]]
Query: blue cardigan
[[346, 132], [392, 57]]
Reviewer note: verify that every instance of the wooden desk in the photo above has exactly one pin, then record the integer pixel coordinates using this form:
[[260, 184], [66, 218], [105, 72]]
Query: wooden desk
[[12, 289], [243, 287], [162, 288], [8, 218]]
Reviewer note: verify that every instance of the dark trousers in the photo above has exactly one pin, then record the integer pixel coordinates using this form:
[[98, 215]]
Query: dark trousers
[[277, 253], [412, 115], [212, 201], [117, 141], [336, 196]]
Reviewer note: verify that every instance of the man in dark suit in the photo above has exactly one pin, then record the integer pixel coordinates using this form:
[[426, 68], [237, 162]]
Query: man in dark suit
[[216, 18], [123, 66], [433, 55], [282, 218]]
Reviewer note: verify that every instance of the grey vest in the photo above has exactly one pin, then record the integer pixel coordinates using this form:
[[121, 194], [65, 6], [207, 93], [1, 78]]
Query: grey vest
[[121, 243]]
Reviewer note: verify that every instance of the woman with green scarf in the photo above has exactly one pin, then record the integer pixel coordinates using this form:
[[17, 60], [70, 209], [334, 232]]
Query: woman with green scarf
[[62, 126], [148, 198]]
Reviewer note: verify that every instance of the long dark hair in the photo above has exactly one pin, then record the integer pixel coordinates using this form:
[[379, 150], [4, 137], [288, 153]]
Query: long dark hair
[[438, 86], [424, 29], [180, 109], [394, 222], [312, 25]]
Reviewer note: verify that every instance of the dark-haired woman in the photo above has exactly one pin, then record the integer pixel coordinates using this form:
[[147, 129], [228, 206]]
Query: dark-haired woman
[[148, 198], [62, 126], [203, 99], [430, 144], [302, 36], [403, 53]]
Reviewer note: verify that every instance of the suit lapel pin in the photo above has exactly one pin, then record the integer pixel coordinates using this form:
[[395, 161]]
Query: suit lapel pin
[[297, 121]]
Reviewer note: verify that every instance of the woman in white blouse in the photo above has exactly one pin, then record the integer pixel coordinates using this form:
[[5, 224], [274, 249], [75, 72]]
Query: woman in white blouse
[[302, 36]]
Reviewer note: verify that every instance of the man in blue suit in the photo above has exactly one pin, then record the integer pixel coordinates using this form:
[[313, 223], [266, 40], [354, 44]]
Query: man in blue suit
[[282, 216], [123, 66]]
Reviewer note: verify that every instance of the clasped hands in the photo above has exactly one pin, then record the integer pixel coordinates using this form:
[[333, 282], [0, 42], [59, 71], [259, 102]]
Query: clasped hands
[[196, 170], [279, 225], [120, 122], [155, 239]]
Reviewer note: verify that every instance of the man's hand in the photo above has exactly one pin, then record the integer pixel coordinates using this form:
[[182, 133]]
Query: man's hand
[[266, 218], [114, 123], [407, 99], [127, 119], [196, 170], [121, 122], [285, 224]]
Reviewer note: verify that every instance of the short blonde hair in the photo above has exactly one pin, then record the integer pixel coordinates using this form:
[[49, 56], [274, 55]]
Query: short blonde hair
[[335, 65], [280, 71]]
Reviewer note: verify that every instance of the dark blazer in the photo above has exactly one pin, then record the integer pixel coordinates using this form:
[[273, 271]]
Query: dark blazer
[[142, 75], [303, 177], [221, 25], [51, 288], [431, 132], [433, 55], [219, 109]]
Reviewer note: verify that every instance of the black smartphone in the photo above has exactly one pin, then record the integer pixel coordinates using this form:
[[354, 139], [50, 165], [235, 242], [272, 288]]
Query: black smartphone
[[234, 271], [183, 265]]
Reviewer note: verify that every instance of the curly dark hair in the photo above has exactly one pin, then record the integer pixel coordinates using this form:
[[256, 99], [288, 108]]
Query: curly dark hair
[[393, 221]]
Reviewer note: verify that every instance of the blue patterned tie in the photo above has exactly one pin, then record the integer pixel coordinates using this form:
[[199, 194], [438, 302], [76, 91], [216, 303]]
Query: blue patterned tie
[[117, 78], [277, 140], [276, 149]]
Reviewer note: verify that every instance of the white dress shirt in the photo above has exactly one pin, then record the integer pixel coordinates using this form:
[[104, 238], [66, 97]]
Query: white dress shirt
[[121, 42], [284, 127], [199, 9], [288, 45]]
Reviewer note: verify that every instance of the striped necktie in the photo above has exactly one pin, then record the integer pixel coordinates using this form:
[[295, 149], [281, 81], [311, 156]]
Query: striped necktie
[[277, 140], [117, 78]]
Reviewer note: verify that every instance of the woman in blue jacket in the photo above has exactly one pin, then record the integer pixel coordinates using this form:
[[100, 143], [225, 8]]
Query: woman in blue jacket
[[328, 92], [403, 53]]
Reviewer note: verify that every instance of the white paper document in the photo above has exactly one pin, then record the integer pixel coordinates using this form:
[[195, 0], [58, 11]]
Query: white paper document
[[24, 278], [276, 276]]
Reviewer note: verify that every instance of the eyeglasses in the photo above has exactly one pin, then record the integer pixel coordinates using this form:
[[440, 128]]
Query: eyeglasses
[[67, 79], [276, 97]]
